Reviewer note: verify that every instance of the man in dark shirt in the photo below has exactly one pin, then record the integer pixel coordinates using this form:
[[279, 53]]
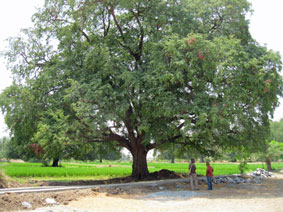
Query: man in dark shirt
[[193, 175]]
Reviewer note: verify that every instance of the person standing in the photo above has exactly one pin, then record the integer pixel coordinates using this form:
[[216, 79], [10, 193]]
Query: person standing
[[209, 175], [193, 175]]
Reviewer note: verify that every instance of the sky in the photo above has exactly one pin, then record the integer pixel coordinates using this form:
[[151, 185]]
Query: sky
[[265, 27]]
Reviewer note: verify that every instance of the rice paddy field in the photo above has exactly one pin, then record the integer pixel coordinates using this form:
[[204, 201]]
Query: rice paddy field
[[106, 170]]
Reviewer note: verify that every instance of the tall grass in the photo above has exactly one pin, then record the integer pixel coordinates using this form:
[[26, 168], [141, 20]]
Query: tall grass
[[68, 170], [106, 171]]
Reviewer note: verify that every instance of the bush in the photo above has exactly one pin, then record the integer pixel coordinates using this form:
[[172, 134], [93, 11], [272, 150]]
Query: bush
[[243, 167]]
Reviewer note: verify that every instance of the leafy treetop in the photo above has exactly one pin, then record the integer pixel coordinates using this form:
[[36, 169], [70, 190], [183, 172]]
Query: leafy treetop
[[143, 74]]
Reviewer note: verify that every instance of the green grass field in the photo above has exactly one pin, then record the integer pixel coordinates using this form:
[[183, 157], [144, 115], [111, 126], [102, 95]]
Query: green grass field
[[106, 170]]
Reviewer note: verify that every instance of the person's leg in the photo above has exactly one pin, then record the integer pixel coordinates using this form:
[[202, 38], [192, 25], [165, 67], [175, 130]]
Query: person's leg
[[191, 181], [209, 183], [207, 179], [196, 181]]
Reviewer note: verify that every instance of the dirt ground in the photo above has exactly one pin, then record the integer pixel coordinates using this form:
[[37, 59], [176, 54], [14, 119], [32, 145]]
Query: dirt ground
[[267, 196]]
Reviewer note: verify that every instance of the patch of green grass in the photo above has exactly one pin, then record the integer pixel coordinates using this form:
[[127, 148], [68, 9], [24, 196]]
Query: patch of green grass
[[97, 171], [69, 170]]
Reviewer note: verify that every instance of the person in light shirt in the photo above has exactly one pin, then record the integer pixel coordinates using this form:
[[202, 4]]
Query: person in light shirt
[[193, 175]]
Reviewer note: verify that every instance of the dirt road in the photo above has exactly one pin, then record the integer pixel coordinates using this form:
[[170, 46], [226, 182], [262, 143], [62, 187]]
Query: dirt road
[[267, 196]]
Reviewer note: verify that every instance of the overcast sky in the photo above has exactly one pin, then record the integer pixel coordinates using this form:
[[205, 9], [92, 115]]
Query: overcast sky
[[266, 28]]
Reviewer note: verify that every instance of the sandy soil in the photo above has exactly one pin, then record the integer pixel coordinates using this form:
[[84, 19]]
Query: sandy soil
[[267, 196], [264, 197]]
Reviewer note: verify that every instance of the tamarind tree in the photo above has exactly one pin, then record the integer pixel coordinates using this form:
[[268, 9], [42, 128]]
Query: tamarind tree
[[142, 74]]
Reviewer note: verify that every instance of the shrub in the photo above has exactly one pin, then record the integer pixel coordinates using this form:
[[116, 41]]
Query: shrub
[[243, 167]]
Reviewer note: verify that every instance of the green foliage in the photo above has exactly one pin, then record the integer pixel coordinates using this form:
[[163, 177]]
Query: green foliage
[[141, 74], [3, 148], [273, 149], [8, 149], [276, 128], [97, 151], [49, 135], [243, 167], [21, 115]]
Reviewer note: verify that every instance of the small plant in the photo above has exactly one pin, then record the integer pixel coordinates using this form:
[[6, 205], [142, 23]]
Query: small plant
[[243, 167]]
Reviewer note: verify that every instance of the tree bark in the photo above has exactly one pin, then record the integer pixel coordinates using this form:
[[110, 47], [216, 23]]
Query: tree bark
[[55, 162], [268, 164], [137, 148], [139, 167], [172, 158]]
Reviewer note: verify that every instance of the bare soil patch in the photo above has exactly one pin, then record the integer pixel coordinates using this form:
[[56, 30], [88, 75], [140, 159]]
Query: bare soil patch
[[267, 196], [12, 201], [12, 160]]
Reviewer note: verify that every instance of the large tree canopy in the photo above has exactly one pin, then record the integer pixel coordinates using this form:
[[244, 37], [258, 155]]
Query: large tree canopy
[[143, 74]]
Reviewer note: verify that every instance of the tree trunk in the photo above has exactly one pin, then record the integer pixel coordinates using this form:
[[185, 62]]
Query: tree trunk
[[139, 167], [55, 162], [268, 164], [172, 158]]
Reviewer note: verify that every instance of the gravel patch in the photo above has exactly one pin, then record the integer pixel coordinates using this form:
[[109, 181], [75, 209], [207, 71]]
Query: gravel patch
[[174, 195]]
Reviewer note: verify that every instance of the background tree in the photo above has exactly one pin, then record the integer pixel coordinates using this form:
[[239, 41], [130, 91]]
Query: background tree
[[98, 151], [9, 150], [174, 151], [3, 147], [167, 153], [21, 117], [276, 130], [273, 149], [146, 73]]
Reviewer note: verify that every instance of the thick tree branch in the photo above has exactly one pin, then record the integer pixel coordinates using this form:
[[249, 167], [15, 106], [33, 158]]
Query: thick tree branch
[[151, 146], [121, 140], [105, 29], [135, 55], [128, 124], [116, 22], [106, 136], [85, 35], [141, 30]]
